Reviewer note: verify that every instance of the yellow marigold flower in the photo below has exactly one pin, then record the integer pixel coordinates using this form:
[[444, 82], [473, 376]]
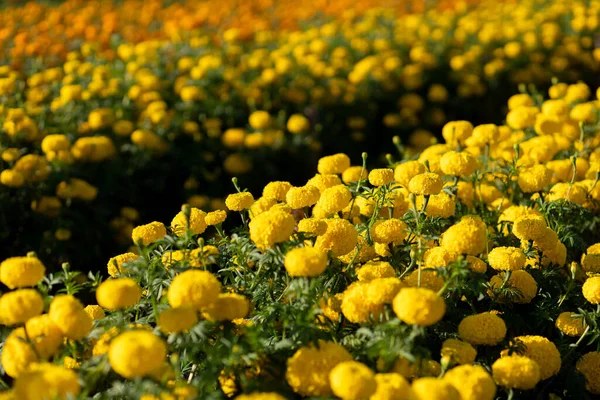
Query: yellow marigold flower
[[12, 178], [305, 261], [148, 140], [591, 289], [334, 164], [476, 264], [227, 307], [589, 366], [312, 225], [55, 143], [354, 174], [590, 262], [136, 353], [331, 307], [521, 281], [239, 201], [529, 227], [455, 132], [391, 386], [388, 231], [17, 354], [383, 290], [573, 193], [308, 369], [440, 205], [534, 179], [520, 100], [405, 171], [516, 372], [458, 352], [298, 123], [11, 154], [42, 332], [332, 200], [193, 288], [482, 329], [355, 305], [116, 265], [426, 184], [19, 306], [149, 233], [19, 272], [522, 117], [76, 189], [323, 181], [375, 269], [233, 138], [215, 217], [260, 396], [95, 312], [422, 367], [434, 389], [482, 135], [71, 363], [351, 380], [34, 168], [569, 324], [123, 127], [47, 381], [259, 119], [175, 320], [304, 196], [381, 176], [277, 190], [68, 314], [506, 258], [419, 306], [93, 149], [472, 382], [237, 164], [458, 163], [197, 222], [118, 294], [340, 237], [48, 206], [271, 227], [438, 257], [542, 351], [429, 279], [468, 236]]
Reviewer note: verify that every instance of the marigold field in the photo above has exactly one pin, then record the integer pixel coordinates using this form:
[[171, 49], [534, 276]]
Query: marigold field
[[271, 200]]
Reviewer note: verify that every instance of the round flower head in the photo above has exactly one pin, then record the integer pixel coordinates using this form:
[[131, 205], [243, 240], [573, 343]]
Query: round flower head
[[115, 265], [271, 227], [312, 225], [375, 269], [197, 223], [239, 201], [569, 324], [19, 306], [405, 171], [136, 353], [324, 181], [476, 264], [420, 368], [428, 278], [118, 294], [434, 389], [534, 179], [468, 236], [42, 332], [438, 257], [227, 307], [193, 288], [482, 329], [332, 200], [522, 287], [305, 261], [357, 307], [17, 354], [440, 205], [542, 351], [522, 117], [47, 381], [506, 258], [472, 382], [339, 238], [591, 289], [455, 132], [381, 176], [335, 164], [529, 227], [19, 272], [175, 320], [426, 184], [564, 191], [149, 233], [95, 312], [261, 205], [277, 190], [303, 196], [351, 380], [392, 386], [589, 366], [354, 174], [516, 372], [259, 119], [11, 178], [215, 217], [458, 163], [590, 262], [308, 369], [388, 231], [383, 290], [68, 314], [419, 306], [458, 352]]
